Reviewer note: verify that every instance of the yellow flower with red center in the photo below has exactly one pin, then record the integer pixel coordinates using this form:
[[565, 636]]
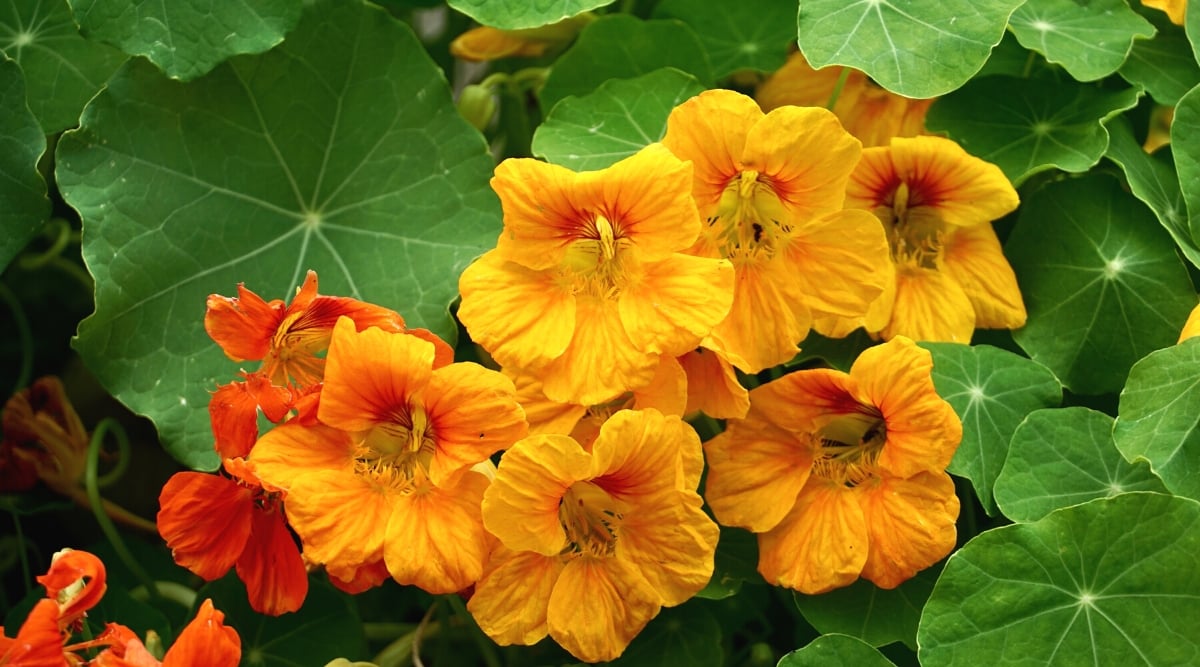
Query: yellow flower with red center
[[770, 190], [937, 202], [594, 543], [385, 475], [842, 475], [587, 286]]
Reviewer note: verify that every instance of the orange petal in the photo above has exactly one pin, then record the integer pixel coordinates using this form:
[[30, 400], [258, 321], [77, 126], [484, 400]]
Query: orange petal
[[275, 576], [930, 305], [293, 449], [820, 545], [802, 402], [762, 328], [486, 43], [911, 525], [543, 213], [672, 542], [339, 517], [242, 326], [233, 412], [370, 375], [840, 263], [712, 385], [963, 189], [710, 130], [667, 392], [598, 607], [512, 597], [601, 361], [206, 641], [755, 472], [206, 521], [473, 412], [676, 302], [68, 569], [637, 451], [521, 505], [39, 642], [973, 258], [356, 579], [545, 415]]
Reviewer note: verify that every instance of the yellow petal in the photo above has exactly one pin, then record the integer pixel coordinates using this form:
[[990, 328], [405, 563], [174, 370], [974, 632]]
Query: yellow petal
[[667, 392], [973, 258], [672, 542], [820, 545], [755, 472], [710, 130], [963, 189], [473, 412], [762, 328], [642, 452], [712, 385], [542, 212], [601, 361], [930, 305], [543, 414], [1191, 328], [339, 517], [521, 505], [369, 374], [598, 606], [840, 263], [911, 525], [511, 599], [676, 302], [289, 450]]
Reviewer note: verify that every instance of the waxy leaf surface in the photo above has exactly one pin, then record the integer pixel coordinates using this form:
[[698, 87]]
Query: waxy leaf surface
[[683, 635], [23, 203], [1185, 147], [349, 161], [835, 650], [748, 34], [872, 614], [1164, 64], [515, 14], [1089, 39]]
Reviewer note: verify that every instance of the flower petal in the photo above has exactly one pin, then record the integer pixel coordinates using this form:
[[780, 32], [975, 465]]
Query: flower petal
[[840, 263], [672, 542], [474, 413], [293, 449], [39, 642], [521, 505], [205, 641], [601, 361], [339, 517], [755, 472], [911, 525], [930, 305], [598, 607], [270, 565], [712, 385], [243, 326], [543, 214], [820, 545], [676, 302], [762, 328], [636, 452], [963, 189], [370, 375], [973, 258], [710, 130], [511, 599], [206, 521]]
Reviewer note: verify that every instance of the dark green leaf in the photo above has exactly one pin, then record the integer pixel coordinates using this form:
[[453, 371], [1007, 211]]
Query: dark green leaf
[[736, 563], [834, 650], [1101, 279], [1185, 146], [187, 39], [1162, 65], [1089, 39], [514, 14], [684, 635], [869, 613], [748, 34], [348, 161], [23, 203]]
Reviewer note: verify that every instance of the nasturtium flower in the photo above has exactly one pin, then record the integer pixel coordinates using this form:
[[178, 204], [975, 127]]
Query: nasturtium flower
[[936, 203], [842, 475], [487, 43], [770, 190], [206, 640], [386, 475], [1176, 9], [594, 544], [1191, 328], [588, 285], [868, 111], [712, 385], [74, 583], [42, 431]]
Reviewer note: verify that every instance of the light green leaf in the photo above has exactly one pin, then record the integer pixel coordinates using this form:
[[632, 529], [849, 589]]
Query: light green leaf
[[1191, 23], [349, 161], [62, 69], [870, 613], [748, 34], [23, 203], [620, 46], [1101, 280], [1109, 582], [683, 635], [617, 120], [920, 48], [1159, 413], [1089, 39], [187, 39], [991, 390], [1064, 457], [1185, 147], [832, 650], [516, 14], [1162, 65], [1152, 179], [1025, 126]]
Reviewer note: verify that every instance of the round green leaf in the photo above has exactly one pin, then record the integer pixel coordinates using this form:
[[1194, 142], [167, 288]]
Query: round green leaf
[[351, 162], [684, 635], [992, 390], [1185, 146], [621, 46], [1089, 39], [869, 613], [748, 34], [1163, 65], [1159, 413], [187, 39], [617, 120], [516, 14], [833, 650], [921, 48], [1102, 282], [23, 203], [1109, 582], [62, 69], [1025, 126], [1064, 457]]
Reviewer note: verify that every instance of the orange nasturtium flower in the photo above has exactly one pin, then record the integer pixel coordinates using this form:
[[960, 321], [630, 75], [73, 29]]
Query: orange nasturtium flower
[[206, 640], [937, 203], [867, 111], [770, 189], [588, 285], [486, 43], [386, 475], [594, 542], [842, 475]]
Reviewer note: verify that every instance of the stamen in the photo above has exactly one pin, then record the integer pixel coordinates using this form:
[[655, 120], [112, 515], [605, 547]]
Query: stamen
[[591, 519], [849, 446]]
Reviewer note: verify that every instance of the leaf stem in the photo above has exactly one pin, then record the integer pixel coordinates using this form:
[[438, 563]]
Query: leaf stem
[[837, 88], [24, 335]]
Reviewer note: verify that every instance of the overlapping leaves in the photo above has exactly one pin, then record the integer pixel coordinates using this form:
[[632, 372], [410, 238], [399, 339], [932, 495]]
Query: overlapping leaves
[[23, 203]]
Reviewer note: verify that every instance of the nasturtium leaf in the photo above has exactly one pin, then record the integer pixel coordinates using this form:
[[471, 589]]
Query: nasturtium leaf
[[1112, 581], [1009, 58], [1158, 420], [992, 390], [838, 353], [621, 46], [1063, 457], [683, 635], [23, 203], [187, 39], [617, 120], [1191, 23], [1089, 39], [349, 160], [1185, 147], [920, 48], [1029, 125], [870, 613], [743, 35], [516, 14], [1164, 65], [736, 562], [62, 69], [325, 627], [1102, 282], [836, 650], [1152, 179]]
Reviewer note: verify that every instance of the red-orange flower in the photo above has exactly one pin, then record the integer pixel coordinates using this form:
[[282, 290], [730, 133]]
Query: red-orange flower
[[205, 642]]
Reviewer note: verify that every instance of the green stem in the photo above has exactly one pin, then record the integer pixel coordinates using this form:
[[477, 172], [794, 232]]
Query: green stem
[[837, 88], [26, 574], [93, 492], [486, 646], [1028, 69], [60, 230], [24, 335]]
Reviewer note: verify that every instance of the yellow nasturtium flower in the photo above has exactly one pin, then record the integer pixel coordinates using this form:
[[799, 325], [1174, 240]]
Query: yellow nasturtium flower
[[1176, 9], [842, 475], [1191, 328]]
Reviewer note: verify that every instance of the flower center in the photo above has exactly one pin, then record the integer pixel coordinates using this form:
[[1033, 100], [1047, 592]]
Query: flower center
[[749, 222], [915, 240], [596, 264], [396, 454], [592, 520], [849, 446]]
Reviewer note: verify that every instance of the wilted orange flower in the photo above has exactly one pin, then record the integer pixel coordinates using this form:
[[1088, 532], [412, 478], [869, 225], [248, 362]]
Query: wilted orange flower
[[936, 203], [212, 523], [386, 474], [869, 112], [74, 584], [770, 189], [594, 543], [206, 641], [1176, 9], [588, 286], [841, 474]]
